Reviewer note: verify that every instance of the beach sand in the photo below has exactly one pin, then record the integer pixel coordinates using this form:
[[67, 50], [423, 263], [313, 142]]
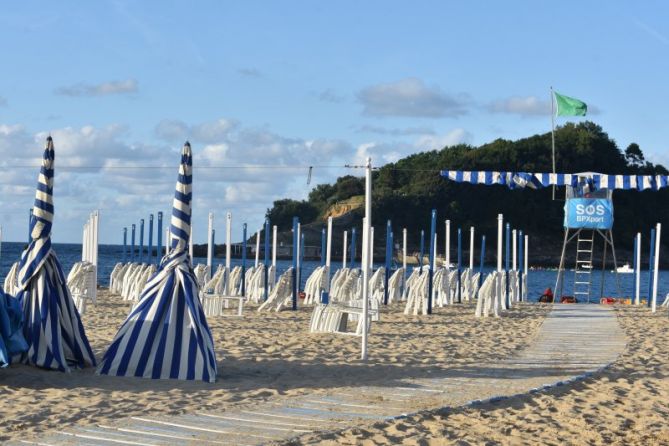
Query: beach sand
[[260, 356], [626, 404]]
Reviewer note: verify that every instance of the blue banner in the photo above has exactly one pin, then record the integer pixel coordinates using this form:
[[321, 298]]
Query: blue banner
[[589, 213]]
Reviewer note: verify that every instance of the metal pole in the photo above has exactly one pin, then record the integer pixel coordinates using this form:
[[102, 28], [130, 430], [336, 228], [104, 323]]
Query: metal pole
[[132, 244], [125, 245], [651, 262], [266, 259], [422, 251], [353, 246], [159, 236], [228, 250], [433, 230], [258, 248], [210, 247], [244, 227], [521, 270], [525, 259], [274, 245], [404, 257], [507, 261], [481, 265], [150, 238], [514, 250], [637, 268], [323, 246], [656, 268], [388, 254], [471, 250], [141, 240], [447, 253], [500, 236], [294, 272], [328, 255], [459, 265], [344, 250], [367, 222], [301, 259]]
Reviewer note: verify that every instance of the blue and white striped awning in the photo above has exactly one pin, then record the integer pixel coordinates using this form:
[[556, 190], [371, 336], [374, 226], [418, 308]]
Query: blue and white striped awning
[[537, 180]]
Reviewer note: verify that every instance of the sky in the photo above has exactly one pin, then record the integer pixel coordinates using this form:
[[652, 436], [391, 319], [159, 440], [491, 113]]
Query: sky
[[264, 89]]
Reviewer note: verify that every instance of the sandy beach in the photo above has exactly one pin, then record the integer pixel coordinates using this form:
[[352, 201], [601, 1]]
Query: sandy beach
[[260, 356], [624, 404]]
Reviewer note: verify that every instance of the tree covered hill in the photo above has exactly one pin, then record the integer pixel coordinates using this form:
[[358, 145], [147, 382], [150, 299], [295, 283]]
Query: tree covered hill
[[406, 191]]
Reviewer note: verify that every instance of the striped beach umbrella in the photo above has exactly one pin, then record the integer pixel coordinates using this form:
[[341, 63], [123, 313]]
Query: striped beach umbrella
[[51, 323], [166, 335]]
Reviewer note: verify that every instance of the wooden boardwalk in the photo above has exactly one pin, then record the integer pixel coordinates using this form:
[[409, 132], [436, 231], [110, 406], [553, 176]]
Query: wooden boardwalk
[[574, 340]]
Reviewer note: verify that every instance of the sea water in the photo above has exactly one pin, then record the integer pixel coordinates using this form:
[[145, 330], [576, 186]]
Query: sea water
[[538, 280]]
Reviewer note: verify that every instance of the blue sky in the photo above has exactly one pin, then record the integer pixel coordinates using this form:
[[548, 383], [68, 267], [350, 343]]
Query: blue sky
[[297, 83]]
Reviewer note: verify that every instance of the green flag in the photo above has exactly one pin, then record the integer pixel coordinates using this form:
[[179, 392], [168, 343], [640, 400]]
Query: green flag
[[567, 106]]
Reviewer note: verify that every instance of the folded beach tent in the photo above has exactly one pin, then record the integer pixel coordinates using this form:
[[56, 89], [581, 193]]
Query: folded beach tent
[[166, 334], [51, 323]]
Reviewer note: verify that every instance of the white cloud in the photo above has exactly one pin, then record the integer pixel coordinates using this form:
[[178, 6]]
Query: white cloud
[[410, 97], [438, 142], [521, 105], [395, 131], [106, 88]]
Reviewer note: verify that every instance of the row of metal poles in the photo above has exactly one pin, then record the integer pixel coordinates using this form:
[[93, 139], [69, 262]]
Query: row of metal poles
[[653, 267]]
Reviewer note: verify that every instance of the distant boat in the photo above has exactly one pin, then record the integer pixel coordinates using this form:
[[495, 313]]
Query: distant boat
[[625, 269]]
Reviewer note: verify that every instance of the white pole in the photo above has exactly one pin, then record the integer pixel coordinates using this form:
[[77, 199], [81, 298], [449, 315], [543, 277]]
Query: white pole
[[637, 268], [84, 239], [404, 251], [525, 270], [96, 237], [471, 251], [343, 261], [371, 247], [210, 245], [514, 250], [328, 254], [658, 230], [500, 232], [434, 258], [274, 238], [366, 232], [447, 259], [257, 248], [96, 229], [228, 251]]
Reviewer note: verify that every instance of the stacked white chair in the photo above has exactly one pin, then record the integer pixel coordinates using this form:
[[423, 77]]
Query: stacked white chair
[[395, 286], [315, 285], [488, 296], [281, 294], [81, 282]]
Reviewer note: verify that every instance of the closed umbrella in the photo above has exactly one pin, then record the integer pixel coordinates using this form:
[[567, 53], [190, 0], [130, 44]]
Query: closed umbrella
[[51, 323], [166, 335]]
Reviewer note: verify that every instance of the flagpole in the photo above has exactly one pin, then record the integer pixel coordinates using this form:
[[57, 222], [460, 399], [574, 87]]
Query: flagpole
[[553, 133]]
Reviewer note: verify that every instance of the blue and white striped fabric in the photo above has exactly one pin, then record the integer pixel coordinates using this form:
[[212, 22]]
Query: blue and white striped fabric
[[166, 335], [51, 323], [595, 181]]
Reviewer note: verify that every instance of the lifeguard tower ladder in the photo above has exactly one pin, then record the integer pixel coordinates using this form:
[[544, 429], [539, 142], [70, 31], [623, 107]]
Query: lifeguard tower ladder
[[587, 214]]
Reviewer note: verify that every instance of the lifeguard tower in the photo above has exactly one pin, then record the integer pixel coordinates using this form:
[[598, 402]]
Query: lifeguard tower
[[588, 216]]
